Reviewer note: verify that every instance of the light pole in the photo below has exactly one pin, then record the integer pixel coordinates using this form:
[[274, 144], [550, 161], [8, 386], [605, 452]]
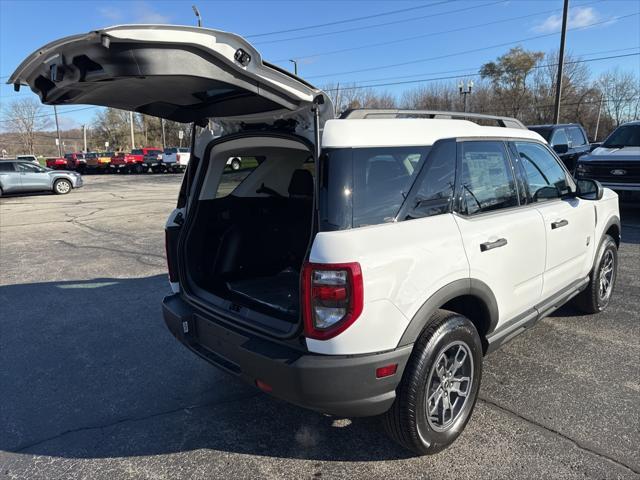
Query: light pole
[[464, 92], [295, 66], [59, 143], [197, 12]]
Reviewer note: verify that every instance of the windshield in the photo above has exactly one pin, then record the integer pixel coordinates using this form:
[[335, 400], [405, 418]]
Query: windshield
[[91, 155], [366, 186], [168, 151], [136, 152], [625, 136], [544, 132]]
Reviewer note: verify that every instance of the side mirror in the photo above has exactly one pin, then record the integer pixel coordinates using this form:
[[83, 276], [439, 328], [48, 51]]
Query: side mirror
[[561, 148], [589, 189]]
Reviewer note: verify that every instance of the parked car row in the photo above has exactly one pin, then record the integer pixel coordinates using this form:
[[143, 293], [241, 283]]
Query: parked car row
[[615, 162]]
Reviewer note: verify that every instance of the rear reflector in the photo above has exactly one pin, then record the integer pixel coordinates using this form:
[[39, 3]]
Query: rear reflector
[[387, 370], [265, 387]]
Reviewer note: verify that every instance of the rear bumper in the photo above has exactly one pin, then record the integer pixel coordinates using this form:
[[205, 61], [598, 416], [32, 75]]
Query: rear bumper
[[333, 384]]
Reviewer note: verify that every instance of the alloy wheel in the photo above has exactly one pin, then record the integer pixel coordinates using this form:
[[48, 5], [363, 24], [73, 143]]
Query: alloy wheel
[[606, 276], [63, 186], [449, 385]]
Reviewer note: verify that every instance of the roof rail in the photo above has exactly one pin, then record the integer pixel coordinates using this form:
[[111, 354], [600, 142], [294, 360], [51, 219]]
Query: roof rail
[[364, 113]]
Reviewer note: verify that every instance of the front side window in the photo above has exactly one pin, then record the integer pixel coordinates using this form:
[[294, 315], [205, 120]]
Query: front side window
[[576, 136], [6, 167], [559, 138], [545, 178], [25, 167], [486, 178]]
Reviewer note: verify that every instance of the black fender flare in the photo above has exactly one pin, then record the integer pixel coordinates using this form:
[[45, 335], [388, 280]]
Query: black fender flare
[[457, 288], [613, 220]]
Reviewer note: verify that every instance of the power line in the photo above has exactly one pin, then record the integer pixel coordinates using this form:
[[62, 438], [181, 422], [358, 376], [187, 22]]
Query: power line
[[425, 35], [476, 74], [475, 69], [394, 22], [349, 20], [474, 50]]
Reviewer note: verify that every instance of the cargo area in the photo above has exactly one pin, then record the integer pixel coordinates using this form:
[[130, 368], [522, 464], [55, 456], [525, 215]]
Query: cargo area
[[245, 247]]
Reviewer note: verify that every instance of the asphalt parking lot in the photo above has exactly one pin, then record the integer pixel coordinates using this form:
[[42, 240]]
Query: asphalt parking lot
[[92, 385]]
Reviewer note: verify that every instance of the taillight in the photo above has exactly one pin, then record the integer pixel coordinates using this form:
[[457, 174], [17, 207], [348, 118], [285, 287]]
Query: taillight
[[332, 298]]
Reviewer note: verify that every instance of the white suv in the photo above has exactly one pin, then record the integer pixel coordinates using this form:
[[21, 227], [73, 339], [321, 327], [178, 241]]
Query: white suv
[[365, 265]]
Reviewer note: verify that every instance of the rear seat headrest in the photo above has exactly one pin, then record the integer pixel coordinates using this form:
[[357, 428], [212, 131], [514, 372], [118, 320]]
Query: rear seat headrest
[[301, 184]]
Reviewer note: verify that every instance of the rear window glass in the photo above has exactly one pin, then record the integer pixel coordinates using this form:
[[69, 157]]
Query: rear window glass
[[136, 152], [168, 151], [6, 167], [366, 186], [577, 138]]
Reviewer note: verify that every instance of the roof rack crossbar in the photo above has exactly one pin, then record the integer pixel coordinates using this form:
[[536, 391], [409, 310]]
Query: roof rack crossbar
[[370, 113]]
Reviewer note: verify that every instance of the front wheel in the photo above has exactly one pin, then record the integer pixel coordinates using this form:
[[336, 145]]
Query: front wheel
[[235, 164], [597, 296], [439, 386], [62, 187]]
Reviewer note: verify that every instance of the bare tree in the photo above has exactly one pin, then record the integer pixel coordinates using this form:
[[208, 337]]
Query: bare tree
[[349, 96], [621, 90], [26, 117]]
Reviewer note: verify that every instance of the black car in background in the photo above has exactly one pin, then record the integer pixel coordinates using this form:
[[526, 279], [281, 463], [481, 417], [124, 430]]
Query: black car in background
[[616, 162], [569, 140]]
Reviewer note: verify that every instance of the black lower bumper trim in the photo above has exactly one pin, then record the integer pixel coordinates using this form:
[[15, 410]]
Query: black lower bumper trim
[[334, 384]]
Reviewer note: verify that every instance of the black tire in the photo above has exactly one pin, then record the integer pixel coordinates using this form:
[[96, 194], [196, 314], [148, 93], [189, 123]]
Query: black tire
[[62, 186], [406, 421], [591, 299], [138, 168], [235, 164]]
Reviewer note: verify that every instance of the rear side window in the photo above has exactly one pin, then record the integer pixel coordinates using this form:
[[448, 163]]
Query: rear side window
[[6, 167], [382, 178], [559, 137], [546, 179], [486, 178], [576, 136], [436, 182]]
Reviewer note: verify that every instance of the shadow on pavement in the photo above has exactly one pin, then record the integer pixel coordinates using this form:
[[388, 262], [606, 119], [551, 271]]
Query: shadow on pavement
[[89, 370]]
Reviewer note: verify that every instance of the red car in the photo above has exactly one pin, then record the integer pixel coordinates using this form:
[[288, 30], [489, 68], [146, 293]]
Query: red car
[[58, 163], [76, 161], [131, 162]]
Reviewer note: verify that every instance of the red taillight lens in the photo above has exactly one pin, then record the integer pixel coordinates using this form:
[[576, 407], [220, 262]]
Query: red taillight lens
[[386, 371], [332, 298]]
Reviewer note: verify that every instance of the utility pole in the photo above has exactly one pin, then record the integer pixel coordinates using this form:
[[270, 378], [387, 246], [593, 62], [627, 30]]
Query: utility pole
[[337, 105], [563, 35], [295, 67], [133, 139], [55, 112], [197, 12], [595, 135], [84, 136], [464, 92], [164, 143]]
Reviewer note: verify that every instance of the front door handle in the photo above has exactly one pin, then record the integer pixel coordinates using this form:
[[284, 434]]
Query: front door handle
[[558, 224], [501, 242]]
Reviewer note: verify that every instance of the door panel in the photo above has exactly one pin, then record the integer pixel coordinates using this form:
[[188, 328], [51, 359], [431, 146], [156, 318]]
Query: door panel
[[506, 250], [569, 228], [32, 178]]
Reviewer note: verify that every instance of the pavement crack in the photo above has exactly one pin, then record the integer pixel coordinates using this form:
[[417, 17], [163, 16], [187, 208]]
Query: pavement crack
[[576, 443], [102, 427]]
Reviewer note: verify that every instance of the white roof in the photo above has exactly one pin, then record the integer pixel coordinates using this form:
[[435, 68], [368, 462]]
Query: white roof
[[409, 131]]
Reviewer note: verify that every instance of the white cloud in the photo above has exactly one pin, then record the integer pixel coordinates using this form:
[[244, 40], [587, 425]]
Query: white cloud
[[68, 123], [141, 12], [578, 17]]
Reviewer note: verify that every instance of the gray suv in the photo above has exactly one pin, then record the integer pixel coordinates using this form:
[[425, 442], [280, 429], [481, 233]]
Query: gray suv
[[23, 176]]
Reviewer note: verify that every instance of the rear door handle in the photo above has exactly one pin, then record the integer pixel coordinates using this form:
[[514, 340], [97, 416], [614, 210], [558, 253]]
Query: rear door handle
[[558, 224], [501, 242]]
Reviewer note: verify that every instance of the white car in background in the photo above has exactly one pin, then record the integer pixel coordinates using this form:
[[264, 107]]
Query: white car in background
[[28, 158], [176, 159]]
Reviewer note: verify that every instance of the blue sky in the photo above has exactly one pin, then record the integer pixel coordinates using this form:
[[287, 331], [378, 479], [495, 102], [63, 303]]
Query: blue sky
[[421, 40]]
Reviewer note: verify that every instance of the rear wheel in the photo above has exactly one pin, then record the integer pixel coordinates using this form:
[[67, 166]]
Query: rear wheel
[[439, 386], [138, 168], [597, 296], [62, 187], [235, 164]]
